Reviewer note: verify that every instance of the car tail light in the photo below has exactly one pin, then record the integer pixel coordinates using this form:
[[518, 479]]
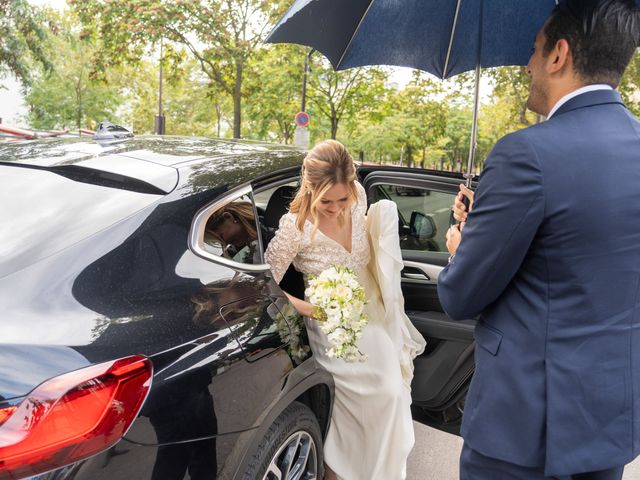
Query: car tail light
[[72, 416]]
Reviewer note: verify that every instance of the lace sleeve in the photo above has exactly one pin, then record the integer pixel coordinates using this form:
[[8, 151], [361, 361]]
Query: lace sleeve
[[283, 247]]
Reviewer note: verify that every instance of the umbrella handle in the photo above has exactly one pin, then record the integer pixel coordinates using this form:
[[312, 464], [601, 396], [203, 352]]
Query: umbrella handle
[[466, 202]]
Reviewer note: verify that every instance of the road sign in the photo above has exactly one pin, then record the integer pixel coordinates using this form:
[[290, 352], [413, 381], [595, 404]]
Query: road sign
[[302, 119]]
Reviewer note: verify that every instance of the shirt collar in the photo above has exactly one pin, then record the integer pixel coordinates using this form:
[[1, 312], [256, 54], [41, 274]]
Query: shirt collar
[[575, 93]]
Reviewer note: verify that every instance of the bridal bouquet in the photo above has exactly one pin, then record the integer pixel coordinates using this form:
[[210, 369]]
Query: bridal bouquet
[[339, 300]]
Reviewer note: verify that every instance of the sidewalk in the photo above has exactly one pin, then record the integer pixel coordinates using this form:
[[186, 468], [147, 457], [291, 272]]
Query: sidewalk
[[435, 457]]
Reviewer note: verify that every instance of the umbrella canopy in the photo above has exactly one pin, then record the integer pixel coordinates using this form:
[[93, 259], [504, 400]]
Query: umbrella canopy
[[442, 37]]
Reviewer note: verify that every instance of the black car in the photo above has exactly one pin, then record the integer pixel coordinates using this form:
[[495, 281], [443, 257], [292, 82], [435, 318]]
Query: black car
[[142, 335]]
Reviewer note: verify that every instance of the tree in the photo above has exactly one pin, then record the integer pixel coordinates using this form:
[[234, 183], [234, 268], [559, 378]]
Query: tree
[[424, 115], [630, 85], [190, 105], [511, 86], [64, 96], [22, 38], [222, 35], [275, 87], [336, 95], [402, 126]]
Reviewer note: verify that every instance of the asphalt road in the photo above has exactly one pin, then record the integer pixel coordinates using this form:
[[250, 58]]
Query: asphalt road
[[435, 457]]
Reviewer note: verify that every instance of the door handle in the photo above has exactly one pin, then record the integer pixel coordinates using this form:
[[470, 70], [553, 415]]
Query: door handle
[[415, 276], [415, 273], [420, 272]]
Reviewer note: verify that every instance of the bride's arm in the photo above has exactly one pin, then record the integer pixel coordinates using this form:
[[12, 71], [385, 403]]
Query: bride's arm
[[281, 251], [304, 308]]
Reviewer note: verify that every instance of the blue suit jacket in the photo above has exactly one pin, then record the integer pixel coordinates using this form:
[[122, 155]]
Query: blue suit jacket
[[550, 261]]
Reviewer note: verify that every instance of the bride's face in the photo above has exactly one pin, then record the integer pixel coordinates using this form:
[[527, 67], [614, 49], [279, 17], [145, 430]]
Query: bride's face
[[334, 201]]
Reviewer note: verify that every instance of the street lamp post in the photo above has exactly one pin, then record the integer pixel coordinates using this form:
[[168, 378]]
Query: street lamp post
[[301, 134], [304, 79], [159, 120]]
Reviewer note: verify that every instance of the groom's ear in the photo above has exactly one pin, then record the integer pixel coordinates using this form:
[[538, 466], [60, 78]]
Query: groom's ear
[[559, 58]]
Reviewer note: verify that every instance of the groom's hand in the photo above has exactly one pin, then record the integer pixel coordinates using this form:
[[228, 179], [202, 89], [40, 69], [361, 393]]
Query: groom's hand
[[459, 208], [453, 238]]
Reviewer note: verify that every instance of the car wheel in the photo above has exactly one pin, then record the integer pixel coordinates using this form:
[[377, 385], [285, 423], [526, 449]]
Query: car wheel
[[291, 449]]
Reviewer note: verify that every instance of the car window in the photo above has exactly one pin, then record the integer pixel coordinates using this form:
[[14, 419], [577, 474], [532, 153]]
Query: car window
[[262, 197], [423, 215], [228, 231], [232, 232]]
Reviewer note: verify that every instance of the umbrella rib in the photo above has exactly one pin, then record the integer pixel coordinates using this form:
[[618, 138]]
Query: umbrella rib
[[355, 32], [453, 32]]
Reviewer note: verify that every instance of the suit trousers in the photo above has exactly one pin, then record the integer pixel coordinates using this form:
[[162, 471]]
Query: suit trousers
[[475, 466]]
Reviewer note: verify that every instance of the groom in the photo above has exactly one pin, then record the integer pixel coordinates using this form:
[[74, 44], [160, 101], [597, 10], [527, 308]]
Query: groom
[[550, 261]]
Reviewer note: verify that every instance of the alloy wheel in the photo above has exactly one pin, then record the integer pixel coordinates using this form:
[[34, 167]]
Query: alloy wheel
[[296, 459]]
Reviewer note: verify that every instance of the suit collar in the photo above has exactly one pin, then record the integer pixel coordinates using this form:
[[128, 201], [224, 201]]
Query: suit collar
[[588, 99]]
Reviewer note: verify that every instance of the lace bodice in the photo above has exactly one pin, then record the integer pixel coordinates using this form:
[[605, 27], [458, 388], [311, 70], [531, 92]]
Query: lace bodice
[[312, 256]]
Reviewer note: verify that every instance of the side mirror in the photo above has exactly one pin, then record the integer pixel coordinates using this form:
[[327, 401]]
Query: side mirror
[[422, 227]]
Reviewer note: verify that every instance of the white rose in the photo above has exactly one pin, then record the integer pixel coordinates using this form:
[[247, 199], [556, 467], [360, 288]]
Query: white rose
[[338, 336], [344, 292]]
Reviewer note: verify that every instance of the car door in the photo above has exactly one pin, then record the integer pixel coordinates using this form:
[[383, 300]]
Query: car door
[[443, 372]]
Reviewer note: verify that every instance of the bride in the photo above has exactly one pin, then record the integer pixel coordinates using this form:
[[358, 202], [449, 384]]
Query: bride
[[371, 431]]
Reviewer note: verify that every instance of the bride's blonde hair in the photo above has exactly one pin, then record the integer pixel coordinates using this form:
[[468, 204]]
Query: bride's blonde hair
[[326, 165]]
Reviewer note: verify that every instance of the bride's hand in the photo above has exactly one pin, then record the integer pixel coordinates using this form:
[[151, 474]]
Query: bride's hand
[[303, 308]]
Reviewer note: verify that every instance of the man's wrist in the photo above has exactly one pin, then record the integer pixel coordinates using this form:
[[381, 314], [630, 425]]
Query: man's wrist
[[451, 257]]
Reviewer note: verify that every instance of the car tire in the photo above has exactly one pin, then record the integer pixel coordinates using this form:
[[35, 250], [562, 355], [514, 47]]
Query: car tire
[[291, 449]]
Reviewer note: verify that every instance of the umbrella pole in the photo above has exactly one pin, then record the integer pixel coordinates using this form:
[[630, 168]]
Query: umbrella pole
[[474, 130]]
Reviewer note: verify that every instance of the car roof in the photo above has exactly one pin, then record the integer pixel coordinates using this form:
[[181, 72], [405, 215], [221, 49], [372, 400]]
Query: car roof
[[152, 159]]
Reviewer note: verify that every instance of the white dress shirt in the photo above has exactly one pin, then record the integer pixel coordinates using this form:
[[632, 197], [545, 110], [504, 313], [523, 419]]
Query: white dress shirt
[[575, 93]]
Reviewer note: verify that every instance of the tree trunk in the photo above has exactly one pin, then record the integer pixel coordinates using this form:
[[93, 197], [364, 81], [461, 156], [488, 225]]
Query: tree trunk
[[237, 101], [334, 122], [409, 156], [287, 134]]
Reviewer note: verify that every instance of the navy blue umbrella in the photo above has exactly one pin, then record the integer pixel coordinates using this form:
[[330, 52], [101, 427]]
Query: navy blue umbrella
[[442, 37]]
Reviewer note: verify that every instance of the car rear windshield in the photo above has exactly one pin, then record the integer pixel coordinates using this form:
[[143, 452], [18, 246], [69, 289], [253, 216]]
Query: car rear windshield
[[42, 213]]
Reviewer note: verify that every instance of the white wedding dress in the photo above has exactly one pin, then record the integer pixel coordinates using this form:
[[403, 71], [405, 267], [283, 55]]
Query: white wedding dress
[[371, 431]]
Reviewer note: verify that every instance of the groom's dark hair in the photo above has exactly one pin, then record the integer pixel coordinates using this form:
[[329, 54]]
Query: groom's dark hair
[[603, 36]]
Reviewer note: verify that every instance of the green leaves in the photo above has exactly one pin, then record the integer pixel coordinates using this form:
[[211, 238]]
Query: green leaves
[[630, 85], [22, 39], [222, 35]]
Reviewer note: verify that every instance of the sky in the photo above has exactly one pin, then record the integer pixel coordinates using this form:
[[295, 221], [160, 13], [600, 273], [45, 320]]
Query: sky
[[11, 106]]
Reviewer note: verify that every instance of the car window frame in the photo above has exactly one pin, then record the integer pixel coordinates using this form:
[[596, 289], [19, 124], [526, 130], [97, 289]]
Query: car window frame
[[411, 178], [199, 222]]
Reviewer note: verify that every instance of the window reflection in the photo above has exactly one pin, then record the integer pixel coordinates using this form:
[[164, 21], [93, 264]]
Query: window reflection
[[231, 232]]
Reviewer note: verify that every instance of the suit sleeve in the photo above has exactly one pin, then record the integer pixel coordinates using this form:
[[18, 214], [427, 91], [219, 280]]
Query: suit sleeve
[[507, 211]]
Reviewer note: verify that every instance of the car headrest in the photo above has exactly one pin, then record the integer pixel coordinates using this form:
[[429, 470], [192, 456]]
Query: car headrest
[[278, 205]]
